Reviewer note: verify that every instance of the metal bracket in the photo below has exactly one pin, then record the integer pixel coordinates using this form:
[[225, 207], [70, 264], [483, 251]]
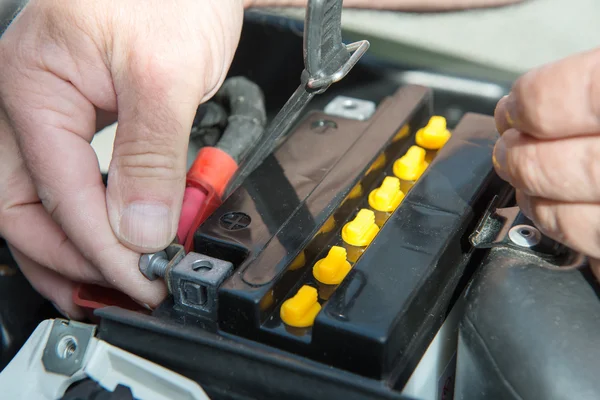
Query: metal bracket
[[59, 353], [508, 227], [194, 283], [175, 253], [67, 346]]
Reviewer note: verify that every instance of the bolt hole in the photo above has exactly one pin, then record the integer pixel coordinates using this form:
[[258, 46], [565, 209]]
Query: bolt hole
[[66, 347], [349, 105], [323, 125], [202, 265], [526, 232]]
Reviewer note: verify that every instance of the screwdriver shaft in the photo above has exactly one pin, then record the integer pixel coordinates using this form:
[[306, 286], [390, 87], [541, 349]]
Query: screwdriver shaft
[[280, 125]]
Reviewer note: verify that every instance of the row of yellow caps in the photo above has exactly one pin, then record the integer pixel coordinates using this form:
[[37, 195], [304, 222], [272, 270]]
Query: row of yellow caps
[[301, 310]]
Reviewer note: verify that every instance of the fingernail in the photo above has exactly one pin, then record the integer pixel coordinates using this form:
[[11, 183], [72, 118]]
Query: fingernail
[[511, 111], [499, 158], [146, 225], [146, 306], [500, 116]]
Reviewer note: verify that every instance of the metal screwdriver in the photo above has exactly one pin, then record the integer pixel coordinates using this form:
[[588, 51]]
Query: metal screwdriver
[[326, 60]]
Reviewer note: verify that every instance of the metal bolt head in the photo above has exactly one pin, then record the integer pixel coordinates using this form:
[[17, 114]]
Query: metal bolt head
[[147, 264]]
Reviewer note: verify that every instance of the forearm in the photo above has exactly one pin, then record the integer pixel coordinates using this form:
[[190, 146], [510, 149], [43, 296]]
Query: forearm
[[401, 5]]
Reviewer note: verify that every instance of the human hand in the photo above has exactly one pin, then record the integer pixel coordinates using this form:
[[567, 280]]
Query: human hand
[[403, 5], [550, 150], [66, 64]]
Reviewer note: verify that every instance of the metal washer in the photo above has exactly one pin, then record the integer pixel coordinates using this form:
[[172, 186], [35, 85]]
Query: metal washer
[[525, 235]]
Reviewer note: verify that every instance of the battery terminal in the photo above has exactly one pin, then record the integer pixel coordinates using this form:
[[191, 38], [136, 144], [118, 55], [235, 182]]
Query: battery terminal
[[301, 310], [411, 165], [435, 135], [332, 269]]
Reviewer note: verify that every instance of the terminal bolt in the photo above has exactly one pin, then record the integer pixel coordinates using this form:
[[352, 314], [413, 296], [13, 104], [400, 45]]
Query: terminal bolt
[[158, 265], [154, 265]]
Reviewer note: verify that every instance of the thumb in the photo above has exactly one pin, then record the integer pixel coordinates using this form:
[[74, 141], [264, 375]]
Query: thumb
[[147, 173]]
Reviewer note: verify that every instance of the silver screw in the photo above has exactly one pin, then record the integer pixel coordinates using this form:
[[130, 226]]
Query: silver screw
[[154, 265]]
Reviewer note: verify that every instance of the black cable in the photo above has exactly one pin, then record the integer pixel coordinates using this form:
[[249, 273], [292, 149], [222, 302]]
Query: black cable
[[247, 116]]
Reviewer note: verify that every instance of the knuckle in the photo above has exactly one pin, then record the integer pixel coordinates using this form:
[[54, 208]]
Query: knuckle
[[532, 103], [151, 70], [591, 166], [593, 90], [527, 169], [546, 218], [51, 203], [564, 230]]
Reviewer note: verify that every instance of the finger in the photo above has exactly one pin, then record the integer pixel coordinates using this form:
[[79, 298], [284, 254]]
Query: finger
[[30, 228], [54, 123], [557, 100], [560, 169], [49, 284], [595, 264], [576, 225], [147, 171], [404, 5], [502, 118], [25, 223]]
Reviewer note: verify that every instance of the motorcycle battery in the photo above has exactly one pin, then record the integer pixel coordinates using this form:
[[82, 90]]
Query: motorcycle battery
[[349, 245]]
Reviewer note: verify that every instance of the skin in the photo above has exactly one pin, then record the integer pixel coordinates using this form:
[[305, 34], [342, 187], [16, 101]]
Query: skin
[[404, 5], [73, 66], [550, 150], [64, 61]]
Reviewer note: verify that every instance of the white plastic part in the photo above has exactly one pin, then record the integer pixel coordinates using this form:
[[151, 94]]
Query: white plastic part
[[25, 378], [433, 379], [111, 366]]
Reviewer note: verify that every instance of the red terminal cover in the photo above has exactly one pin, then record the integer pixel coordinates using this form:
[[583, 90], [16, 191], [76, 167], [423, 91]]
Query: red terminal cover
[[92, 297], [211, 172], [212, 202], [213, 168], [193, 199]]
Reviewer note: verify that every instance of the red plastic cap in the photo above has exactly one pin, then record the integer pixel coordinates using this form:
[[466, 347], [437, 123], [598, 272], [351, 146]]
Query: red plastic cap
[[92, 297], [212, 167], [211, 204], [193, 202]]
